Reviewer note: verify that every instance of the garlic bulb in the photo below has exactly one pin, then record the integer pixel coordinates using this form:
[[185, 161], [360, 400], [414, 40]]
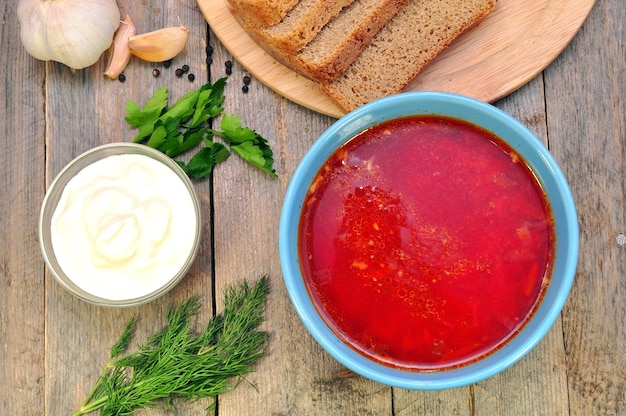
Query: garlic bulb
[[73, 32]]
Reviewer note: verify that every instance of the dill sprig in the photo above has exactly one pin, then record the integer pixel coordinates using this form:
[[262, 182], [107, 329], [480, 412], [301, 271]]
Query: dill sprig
[[176, 364]]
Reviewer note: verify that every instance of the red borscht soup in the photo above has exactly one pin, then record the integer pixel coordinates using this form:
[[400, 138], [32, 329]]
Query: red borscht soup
[[426, 243]]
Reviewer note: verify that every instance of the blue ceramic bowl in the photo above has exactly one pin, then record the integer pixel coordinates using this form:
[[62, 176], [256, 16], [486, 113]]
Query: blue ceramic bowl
[[519, 138]]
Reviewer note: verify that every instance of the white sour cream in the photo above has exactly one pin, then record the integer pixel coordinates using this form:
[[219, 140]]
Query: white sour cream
[[124, 227]]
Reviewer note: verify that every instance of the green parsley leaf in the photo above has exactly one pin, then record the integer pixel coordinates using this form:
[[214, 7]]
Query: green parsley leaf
[[247, 143], [187, 124], [144, 118], [216, 97], [200, 115], [158, 137], [191, 138], [171, 136], [183, 108], [201, 164], [209, 102]]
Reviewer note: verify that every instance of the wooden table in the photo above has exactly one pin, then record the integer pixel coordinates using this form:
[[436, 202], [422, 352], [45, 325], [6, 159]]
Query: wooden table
[[52, 344]]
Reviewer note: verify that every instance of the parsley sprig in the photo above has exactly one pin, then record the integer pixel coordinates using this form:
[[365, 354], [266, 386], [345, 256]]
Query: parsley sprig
[[187, 124], [176, 364]]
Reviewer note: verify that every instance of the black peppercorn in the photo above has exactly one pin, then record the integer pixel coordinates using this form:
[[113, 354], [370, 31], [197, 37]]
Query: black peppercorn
[[209, 60], [185, 68], [167, 63], [156, 72], [246, 80], [191, 77], [228, 64], [209, 50], [179, 72], [244, 88], [121, 77]]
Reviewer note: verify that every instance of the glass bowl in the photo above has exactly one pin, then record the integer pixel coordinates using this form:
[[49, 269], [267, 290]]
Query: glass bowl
[[114, 231]]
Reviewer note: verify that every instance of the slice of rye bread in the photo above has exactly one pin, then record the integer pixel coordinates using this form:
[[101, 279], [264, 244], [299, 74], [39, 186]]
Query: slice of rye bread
[[299, 27], [401, 49], [262, 12], [339, 43]]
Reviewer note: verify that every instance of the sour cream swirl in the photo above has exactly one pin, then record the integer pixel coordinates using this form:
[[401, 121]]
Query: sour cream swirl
[[124, 227]]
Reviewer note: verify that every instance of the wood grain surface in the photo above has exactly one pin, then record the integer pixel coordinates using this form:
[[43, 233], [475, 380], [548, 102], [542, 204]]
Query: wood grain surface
[[52, 345], [506, 50]]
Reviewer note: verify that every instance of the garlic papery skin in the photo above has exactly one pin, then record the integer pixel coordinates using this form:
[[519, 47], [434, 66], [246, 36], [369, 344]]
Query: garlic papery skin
[[73, 32], [120, 52]]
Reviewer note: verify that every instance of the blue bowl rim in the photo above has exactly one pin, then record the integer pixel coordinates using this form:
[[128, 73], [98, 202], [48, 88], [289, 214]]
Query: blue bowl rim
[[534, 153]]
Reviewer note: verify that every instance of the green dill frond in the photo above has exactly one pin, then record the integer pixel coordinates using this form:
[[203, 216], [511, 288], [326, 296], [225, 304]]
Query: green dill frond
[[122, 343], [176, 364]]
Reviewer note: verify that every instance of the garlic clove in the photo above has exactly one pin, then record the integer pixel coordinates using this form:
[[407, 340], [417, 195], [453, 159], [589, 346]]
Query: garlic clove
[[120, 52], [159, 45]]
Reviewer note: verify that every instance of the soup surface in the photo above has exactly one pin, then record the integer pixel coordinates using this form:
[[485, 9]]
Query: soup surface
[[425, 243]]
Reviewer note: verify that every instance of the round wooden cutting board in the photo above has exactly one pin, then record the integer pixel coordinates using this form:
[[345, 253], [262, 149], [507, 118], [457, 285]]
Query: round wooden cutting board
[[506, 50]]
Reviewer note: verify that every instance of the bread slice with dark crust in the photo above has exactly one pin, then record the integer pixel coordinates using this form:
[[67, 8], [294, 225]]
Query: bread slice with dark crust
[[261, 13], [340, 42], [401, 49], [299, 26]]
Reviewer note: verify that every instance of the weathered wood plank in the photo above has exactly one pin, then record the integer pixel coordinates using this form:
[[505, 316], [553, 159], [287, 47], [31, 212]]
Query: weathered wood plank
[[22, 125], [587, 124], [537, 383], [85, 109], [530, 386], [298, 377]]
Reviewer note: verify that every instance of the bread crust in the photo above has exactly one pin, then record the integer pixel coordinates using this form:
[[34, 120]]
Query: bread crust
[[332, 51], [299, 26], [407, 43], [260, 13]]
